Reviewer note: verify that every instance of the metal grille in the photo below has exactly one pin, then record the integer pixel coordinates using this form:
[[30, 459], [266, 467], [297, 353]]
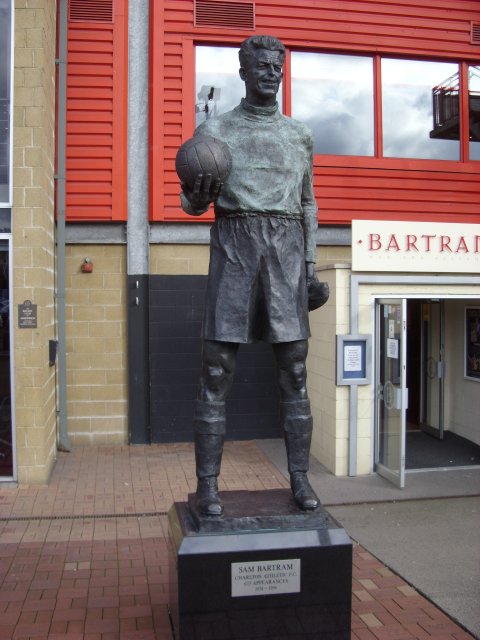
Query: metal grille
[[90, 11], [224, 14], [475, 32]]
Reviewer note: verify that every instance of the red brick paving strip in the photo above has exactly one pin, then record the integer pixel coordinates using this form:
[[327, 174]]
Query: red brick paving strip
[[110, 578]]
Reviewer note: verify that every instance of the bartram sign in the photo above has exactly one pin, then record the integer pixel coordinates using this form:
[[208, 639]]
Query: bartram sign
[[381, 245]]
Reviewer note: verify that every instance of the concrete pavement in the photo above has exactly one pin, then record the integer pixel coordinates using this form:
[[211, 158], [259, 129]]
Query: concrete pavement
[[433, 544], [428, 532]]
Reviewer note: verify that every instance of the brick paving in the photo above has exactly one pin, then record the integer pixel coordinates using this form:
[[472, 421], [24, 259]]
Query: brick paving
[[86, 556]]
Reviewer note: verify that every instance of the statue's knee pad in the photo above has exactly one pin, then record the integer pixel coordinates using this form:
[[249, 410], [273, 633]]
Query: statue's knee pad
[[298, 374], [215, 373]]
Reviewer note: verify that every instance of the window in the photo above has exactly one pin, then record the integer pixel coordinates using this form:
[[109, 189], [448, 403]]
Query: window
[[217, 84], [474, 111], [333, 95], [420, 109], [5, 104], [419, 106], [218, 87]]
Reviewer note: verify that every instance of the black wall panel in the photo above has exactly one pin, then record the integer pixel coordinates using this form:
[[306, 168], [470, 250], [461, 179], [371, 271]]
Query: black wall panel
[[176, 312]]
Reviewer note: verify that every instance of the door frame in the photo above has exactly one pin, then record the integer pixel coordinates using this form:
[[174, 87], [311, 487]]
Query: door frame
[[433, 431], [398, 286], [13, 477], [397, 478]]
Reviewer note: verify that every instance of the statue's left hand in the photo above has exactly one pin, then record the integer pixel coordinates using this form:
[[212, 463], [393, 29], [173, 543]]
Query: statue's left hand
[[318, 292], [310, 271]]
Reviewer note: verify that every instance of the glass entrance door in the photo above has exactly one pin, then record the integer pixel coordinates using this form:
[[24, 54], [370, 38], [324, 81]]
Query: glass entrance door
[[431, 396], [6, 429], [391, 392]]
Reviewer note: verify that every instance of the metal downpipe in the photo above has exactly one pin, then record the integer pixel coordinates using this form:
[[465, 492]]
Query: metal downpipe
[[63, 440]]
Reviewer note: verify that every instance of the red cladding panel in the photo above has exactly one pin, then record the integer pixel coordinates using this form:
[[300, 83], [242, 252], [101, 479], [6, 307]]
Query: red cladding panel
[[96, 111], [346, 187]]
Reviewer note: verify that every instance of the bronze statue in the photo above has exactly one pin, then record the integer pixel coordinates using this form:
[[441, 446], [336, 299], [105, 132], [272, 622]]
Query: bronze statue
[[262, 256]]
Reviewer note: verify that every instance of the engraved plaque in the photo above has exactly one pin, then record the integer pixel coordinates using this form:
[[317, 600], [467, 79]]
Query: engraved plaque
[[265, 577], [27, 315]]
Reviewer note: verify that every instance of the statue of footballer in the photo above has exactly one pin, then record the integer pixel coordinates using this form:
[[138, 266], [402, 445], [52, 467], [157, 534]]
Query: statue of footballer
[[262, 258]]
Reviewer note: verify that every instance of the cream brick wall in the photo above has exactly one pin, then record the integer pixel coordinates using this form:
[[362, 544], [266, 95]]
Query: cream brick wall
[[333, 255], [329, 402], [96, 333], [179, 259], [188, 259], [33, 235]]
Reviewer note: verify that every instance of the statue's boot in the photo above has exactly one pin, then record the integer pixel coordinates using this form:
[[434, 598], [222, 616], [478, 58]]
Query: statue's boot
[[297, 425], [209, 434]]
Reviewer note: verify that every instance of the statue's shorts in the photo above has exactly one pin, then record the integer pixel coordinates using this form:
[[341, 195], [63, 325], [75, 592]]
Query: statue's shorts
[[257, 283]]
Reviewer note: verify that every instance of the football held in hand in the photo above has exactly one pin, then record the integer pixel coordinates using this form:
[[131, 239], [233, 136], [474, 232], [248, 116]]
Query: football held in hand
[[203, 155]]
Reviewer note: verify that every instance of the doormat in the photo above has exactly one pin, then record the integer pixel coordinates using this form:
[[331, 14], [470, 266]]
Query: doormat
[[427, 452]]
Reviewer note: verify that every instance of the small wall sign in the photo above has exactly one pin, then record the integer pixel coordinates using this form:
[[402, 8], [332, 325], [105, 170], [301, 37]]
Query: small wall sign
[[265, 577], [27, 315]]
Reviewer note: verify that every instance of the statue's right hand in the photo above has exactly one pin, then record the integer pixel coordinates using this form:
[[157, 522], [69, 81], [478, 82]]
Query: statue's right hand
[[205, 190]]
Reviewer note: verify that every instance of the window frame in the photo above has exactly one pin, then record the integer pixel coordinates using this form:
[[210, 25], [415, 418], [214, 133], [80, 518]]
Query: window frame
[[167, 136], [377, 160], [9, 203], [288, 72]]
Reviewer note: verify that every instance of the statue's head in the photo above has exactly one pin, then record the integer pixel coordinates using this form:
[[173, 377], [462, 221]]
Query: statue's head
[[251, 45], [261, 63]]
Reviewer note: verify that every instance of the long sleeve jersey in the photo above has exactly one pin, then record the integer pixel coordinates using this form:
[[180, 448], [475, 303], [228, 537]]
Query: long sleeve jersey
[[272, 157]]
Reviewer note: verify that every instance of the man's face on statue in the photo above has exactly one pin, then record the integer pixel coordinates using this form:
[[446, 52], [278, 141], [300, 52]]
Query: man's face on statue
[[262, 76]]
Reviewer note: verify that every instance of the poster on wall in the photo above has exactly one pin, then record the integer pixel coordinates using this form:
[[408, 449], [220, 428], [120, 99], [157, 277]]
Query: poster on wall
[[472, 343]]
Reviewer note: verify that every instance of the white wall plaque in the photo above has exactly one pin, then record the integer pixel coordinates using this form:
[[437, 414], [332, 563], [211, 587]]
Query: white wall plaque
[[265, 577]]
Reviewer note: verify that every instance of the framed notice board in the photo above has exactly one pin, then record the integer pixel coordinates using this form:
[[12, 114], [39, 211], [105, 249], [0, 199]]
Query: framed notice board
[[354, 359]]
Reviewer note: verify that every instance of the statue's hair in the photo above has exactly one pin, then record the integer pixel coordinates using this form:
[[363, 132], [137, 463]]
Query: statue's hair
[[252, 44]]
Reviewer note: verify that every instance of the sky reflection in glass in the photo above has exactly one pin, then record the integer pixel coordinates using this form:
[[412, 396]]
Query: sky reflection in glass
[[333, 95], [5, 71], [474, 93], [407, 109], [218, 67]]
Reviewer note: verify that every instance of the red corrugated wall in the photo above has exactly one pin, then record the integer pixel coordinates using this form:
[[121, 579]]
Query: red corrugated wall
[[346, 187], [96, 170]]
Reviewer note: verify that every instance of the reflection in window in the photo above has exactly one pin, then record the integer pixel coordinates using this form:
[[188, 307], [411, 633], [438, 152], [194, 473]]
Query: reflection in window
[[218, 87], [420, 109], [5, 77], [6, 450], [474, 111], [333, 95]]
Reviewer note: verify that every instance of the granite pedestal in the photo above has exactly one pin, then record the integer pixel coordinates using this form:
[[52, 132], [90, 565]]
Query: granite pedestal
[[264, 570]]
